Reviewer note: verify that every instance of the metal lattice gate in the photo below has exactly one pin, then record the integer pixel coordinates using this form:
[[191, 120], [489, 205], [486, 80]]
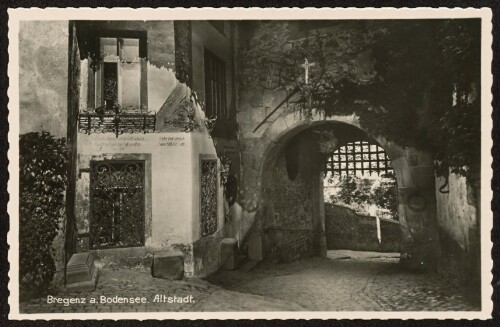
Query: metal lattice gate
[[117, 204]]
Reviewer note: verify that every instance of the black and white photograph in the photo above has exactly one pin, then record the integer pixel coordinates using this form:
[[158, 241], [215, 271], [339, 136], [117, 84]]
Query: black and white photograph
[[245, 163]]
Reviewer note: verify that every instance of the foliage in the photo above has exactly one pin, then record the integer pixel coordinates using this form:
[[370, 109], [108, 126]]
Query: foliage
[[228, 180], [357, 192], [225, 166], [352, 190], [412, 82], [43, 180]]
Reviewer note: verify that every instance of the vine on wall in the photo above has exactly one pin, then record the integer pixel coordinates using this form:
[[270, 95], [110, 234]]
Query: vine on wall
[[43, 180], [413, 82]]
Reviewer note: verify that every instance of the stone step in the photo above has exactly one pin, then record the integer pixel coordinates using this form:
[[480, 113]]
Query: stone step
[[168, 265], [81, 273]]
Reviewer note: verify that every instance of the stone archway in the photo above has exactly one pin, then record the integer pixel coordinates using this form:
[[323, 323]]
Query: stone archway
[[416, 193]]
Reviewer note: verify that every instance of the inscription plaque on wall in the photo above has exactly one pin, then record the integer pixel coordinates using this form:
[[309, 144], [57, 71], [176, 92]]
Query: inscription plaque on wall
[[124, 143], [172, 141]]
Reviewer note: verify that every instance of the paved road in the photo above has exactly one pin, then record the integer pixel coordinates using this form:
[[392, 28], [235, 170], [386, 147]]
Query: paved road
[[132, 283], [349, 281]]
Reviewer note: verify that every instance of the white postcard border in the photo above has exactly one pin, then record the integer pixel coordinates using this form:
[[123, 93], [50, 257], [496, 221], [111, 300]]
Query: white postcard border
[[20, 14]]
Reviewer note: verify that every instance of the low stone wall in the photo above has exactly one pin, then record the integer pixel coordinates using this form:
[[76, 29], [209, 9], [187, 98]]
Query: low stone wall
[[345, 229]]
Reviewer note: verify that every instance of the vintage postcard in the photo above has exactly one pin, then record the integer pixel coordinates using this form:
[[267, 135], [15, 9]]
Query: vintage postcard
[[250, 163]]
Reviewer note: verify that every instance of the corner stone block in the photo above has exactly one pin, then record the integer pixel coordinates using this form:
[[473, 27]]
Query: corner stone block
[[81, 273], [168, 265], [228, 253]]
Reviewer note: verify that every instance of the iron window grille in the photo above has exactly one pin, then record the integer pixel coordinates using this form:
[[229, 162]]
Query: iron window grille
[[116, 204], [208, 196]]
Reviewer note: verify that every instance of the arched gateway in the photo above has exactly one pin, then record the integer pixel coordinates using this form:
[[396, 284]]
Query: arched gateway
[[285, 195]]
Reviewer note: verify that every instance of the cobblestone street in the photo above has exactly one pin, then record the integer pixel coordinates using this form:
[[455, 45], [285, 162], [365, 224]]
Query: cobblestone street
[[132, 283], [345, 281], [349, 281]]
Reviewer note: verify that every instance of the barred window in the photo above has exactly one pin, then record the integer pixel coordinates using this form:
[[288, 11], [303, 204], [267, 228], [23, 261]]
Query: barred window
[[215, 87], [359, 158]]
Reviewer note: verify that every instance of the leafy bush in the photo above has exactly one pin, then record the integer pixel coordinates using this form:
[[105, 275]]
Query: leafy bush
[[42, 180], [357, 193], [353, 190]]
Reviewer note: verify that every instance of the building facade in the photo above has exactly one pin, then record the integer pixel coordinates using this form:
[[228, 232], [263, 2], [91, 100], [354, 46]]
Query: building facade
[[172, 148]]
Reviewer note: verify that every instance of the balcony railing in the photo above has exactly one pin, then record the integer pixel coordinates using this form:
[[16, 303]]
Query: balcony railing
[[117, 123]]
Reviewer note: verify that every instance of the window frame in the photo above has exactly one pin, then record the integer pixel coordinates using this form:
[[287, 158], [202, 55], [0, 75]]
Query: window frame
[[95, 91], [211, 111]]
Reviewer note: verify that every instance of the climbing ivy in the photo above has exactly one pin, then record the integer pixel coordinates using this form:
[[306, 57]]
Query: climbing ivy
[[413, 82], [42, 183]]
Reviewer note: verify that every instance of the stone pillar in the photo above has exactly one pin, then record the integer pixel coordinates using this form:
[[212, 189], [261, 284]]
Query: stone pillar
[[417, 209]]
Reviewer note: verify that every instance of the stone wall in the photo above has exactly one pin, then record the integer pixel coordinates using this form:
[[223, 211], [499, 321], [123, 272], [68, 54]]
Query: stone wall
[[43, 98], [43, 76], [289, 245], [345, 229], [459, 230], [291, 218]]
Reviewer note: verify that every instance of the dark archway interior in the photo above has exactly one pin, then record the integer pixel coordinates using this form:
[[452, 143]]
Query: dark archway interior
[[295, 222]]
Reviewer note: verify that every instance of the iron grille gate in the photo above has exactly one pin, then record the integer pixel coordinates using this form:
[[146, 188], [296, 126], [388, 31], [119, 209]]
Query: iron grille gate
[[117, 204]]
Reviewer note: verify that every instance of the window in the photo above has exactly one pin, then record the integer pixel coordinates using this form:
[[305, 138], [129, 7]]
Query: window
[[118, 77], [116, 204], [359, 158], [215, 87]]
